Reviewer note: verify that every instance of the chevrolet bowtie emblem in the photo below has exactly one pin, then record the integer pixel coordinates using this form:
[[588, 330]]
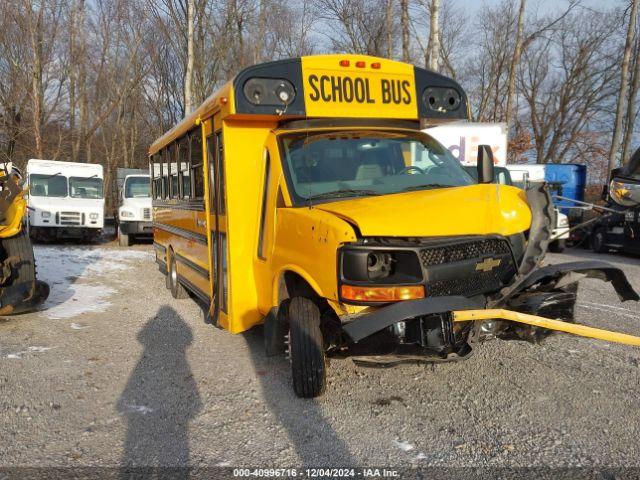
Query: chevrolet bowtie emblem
[[488, 264]]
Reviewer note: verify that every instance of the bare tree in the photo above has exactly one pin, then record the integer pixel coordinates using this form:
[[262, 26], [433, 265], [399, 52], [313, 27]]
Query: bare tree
[[433, 47], [624, 82], [190, 57], [404, 23], [515, 61], [632, 107]]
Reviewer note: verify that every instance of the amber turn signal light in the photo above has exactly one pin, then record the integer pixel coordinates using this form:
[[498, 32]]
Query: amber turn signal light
[[381, 294]]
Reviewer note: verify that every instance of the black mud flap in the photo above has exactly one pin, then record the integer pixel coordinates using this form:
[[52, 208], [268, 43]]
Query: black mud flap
[[370, 323]]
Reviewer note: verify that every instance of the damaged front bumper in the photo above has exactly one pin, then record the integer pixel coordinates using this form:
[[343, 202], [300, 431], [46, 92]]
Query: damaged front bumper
[[550, 290]]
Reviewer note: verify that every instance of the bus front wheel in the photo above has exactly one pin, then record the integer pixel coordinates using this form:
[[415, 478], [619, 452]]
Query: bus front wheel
[[177, 290], [306, 348]]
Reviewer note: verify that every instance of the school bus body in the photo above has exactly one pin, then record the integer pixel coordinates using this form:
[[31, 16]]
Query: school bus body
[[234, 224]]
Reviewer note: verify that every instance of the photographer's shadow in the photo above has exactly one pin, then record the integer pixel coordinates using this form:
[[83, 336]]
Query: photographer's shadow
[[161, 396]]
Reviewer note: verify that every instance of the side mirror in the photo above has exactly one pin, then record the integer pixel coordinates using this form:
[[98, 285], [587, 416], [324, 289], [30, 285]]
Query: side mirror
[[485, 164], [624, 188]]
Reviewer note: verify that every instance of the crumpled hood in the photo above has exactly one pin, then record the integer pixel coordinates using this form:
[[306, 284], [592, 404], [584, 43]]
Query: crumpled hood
[[470, 210]]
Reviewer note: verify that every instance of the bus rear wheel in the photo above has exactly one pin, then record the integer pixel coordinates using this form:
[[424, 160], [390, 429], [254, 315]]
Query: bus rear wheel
[[306, 348], [177, 290]]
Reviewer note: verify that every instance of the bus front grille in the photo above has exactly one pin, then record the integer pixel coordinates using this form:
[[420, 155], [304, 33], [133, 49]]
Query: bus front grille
[[468, 268], [70, 218]]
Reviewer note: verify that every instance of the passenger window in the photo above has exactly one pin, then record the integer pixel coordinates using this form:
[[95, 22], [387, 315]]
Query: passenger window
[[265, 198], [222, 198], [184, 163], [196, 164], [156, 162], [173, 171], [165, 174]]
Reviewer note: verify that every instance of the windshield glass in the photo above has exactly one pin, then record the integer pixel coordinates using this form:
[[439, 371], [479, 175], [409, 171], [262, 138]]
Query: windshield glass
[[136, 187], [324, 165], [85, 187], [47, 185]]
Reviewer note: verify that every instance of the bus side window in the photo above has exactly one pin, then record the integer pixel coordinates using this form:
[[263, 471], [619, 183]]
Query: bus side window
[[184, 163], [265, 199], [222, 198], [173, 171], [157, 178], [196, 164], [165, 173]]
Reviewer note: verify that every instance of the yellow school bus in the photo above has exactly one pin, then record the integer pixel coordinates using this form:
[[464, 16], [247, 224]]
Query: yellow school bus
[[304, 195]]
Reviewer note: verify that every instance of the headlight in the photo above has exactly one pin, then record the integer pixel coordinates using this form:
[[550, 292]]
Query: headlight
[[126, 214], [94, 216], [45, 214], [377, 266]]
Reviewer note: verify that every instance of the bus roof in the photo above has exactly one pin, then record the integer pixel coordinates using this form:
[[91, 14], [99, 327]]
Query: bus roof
[[331, 86]]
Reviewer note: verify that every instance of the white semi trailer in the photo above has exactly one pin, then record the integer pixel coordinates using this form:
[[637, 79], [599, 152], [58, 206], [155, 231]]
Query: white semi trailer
[[65, 200]]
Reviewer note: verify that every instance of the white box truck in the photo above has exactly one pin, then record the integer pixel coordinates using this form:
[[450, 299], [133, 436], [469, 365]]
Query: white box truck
[[134, 214], [65, 200]]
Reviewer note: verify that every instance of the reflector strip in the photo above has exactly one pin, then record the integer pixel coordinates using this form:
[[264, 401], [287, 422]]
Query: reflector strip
[[581, 330]]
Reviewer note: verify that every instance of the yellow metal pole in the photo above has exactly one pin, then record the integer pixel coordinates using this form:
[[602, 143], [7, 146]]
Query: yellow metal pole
[[581, 330]]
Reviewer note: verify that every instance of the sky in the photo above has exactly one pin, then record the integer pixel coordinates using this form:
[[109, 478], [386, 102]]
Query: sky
[[549, 5]]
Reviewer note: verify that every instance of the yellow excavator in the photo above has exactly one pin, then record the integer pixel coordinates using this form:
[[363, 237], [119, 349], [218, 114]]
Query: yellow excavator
[[20, 292]]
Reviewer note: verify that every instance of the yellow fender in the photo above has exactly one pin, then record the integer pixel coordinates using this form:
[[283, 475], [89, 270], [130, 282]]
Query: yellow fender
[[511, 316]]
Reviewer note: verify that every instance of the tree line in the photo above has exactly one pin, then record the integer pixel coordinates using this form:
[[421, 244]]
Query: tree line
[[98, 81]]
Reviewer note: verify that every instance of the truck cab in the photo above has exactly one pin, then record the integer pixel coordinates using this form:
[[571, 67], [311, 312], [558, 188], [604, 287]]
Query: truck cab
[[134, 213], [66, 200]]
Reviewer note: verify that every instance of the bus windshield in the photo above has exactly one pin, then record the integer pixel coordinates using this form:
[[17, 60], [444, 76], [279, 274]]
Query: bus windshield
[[47, 185], [137, 187], [85, 187], [337, 164]]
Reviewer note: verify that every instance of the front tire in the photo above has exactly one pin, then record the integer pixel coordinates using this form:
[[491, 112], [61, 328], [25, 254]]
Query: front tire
[[177, 290], [306, 344]]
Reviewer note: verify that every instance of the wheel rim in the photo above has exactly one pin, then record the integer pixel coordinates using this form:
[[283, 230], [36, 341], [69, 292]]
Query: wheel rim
[[174, 274]]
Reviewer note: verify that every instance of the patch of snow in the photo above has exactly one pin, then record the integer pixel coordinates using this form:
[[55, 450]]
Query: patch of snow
[[404, 446], [75, 276], [78, 326], [21, 353], [143, 409], [223, 464]]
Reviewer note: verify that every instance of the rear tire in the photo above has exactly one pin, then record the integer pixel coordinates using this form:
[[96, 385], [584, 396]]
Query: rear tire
[[598, 241], [123, 239], [308, 361], [177, 290]]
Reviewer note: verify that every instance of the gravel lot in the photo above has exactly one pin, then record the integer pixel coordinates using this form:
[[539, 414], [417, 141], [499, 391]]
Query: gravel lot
[[115, 370]]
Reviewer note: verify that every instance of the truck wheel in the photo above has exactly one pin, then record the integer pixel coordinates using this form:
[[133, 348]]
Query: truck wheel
[[598, 241], [306, 348], [123, 239], [177, 290], [557, 246]]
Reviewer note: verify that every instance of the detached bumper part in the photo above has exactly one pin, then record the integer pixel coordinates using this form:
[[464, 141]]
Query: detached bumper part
[[377, 320], [536, 321]]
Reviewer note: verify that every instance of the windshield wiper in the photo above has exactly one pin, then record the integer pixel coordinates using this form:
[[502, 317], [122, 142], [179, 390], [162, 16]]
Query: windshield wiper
[[347, 192], [426, 186]]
